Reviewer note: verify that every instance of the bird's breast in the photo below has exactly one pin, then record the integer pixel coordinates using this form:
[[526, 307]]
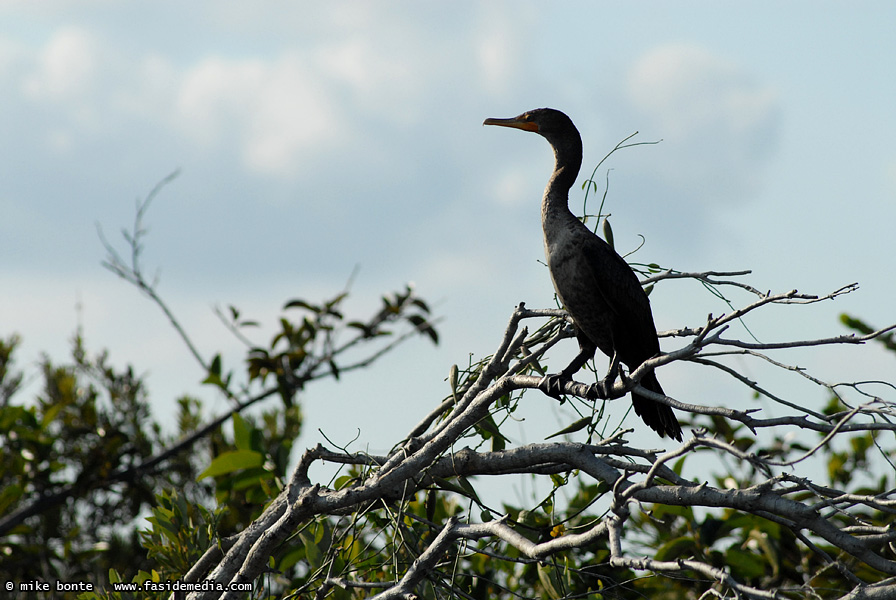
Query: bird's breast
[[576, 283]]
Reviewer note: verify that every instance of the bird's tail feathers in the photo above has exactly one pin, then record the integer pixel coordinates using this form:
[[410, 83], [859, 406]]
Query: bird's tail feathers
[[657, 415]]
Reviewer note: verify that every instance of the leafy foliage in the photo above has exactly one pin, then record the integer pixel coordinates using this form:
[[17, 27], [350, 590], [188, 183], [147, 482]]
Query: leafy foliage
[[83, 462], [70, 478], [792, 506], [86, 459]]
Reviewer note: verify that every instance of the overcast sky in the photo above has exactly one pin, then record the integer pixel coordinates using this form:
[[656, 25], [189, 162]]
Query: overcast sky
[[314, 137]]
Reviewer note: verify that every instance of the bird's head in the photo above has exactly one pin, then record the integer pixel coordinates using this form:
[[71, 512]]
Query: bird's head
[[549, 123]]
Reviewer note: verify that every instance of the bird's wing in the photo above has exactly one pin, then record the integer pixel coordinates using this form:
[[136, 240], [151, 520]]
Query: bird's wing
[[634, 331]]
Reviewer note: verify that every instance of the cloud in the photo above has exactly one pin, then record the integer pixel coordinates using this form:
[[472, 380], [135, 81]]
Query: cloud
[[271, 112], [66, 66], [720, 124], [275, 111], [500, 46]]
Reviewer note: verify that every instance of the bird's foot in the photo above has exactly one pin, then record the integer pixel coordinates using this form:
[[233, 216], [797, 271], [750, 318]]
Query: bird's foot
[[552, 385], [602, 388], [625, 379]]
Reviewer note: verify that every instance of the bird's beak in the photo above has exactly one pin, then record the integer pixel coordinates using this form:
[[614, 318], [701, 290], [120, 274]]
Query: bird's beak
[[515, 122]]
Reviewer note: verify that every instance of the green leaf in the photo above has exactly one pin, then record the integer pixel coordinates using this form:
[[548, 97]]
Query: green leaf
[[558, 480], [678, 467], [608, 233], [856, 324], [449, 486], [332, 304], [743, 564], [333, 369], [676, 548], [367, 331], [546, 574], [488, 429], [430, 505], [216, 365], [710, 530], [291, 558], [424, 327], [577, 426], [297, 303], [468, 488], [242, 433], [50, 414], [342, 482], [228, 462], [10, 494], [313, 554], [214, 372], [421, 305]]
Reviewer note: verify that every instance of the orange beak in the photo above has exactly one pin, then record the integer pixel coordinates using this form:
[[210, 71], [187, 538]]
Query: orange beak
[[515, 122]]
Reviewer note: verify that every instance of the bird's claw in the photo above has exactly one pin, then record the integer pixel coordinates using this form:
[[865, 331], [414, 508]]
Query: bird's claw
[[625, 379], [552, 385], [604, 387], [601, 389]]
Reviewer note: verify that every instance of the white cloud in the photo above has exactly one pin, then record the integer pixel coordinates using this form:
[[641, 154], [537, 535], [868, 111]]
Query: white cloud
[[686, 87], [271, 112], [275, 111], [720, 123], [498, 47], [357, 62], [66, 67]]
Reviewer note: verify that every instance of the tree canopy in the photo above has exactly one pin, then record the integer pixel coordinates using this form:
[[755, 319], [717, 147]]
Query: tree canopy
[[768, 496]]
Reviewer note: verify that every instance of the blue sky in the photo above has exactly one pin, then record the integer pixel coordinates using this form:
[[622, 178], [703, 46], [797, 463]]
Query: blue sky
[[314, 137]]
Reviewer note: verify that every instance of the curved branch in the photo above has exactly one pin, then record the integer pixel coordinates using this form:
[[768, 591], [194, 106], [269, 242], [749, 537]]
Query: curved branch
[[425, 459]]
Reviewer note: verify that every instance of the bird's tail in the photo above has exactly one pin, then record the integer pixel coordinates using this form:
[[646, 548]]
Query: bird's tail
[[658, 416]]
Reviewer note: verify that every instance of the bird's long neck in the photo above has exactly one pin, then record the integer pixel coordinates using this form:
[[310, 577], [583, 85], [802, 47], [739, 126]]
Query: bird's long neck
[[567, 161]]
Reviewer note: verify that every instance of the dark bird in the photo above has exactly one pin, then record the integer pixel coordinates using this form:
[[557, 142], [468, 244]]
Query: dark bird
[[601, 293]]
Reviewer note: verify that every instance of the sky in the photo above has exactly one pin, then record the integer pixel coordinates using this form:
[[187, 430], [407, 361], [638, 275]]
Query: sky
[[316, 138]]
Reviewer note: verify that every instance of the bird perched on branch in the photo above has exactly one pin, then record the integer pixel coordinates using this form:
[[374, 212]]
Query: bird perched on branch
[[601, 293]]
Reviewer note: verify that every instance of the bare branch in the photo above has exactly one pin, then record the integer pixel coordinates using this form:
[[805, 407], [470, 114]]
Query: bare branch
[[819, 517]]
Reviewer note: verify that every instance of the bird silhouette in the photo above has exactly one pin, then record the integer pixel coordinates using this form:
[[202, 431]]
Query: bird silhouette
[[599, 290]]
